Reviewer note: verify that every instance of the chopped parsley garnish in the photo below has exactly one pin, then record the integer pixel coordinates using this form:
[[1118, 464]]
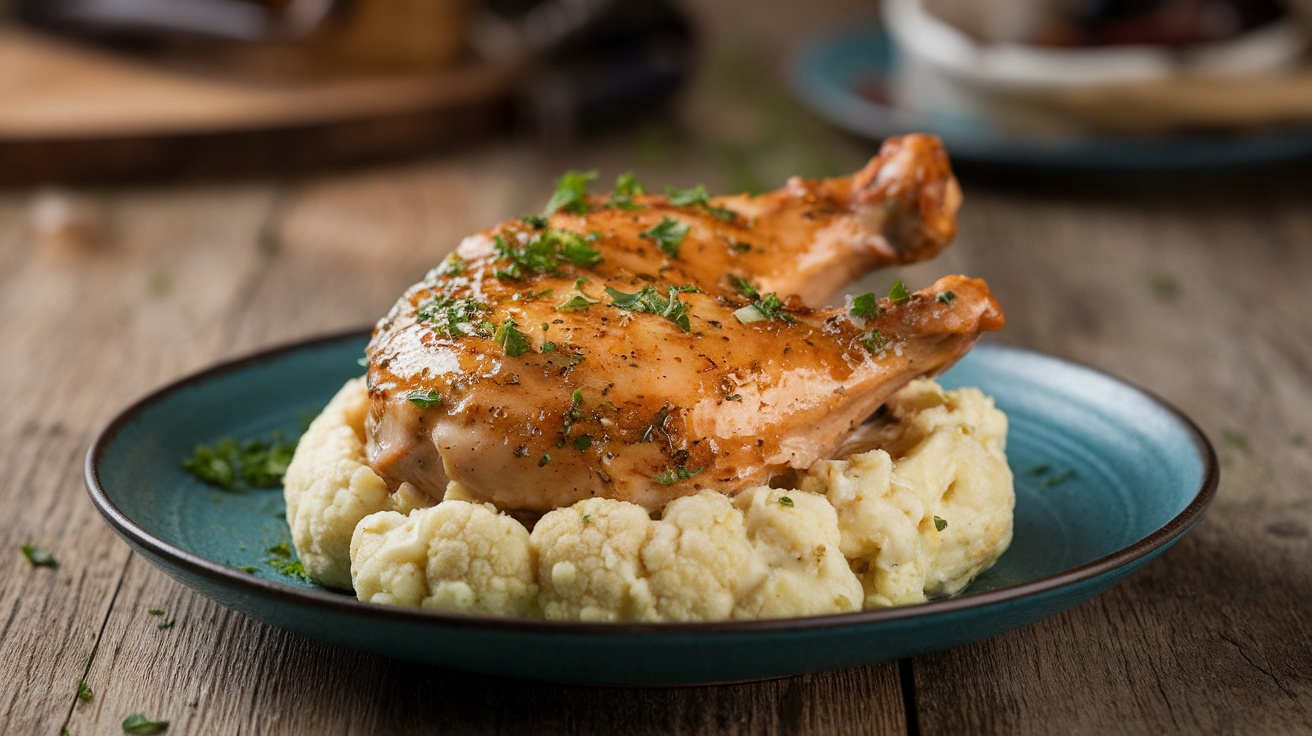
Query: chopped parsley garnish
[[166, 624], [626, 188], [522, 296], [577, 300], [548, 347], [668, 234], [424, 398], [762, 308], [1053, 481], [745, 287], [510, 339], [84, 691], [587, 518], [452, 265], [575, 303], [865, 305], [257, 463], [285, 565], [138, 723], [571, 416], [733, 397], [657, 425], [575, 248], [693, 197], [39, 556], [947, 297], [899, 294], [536, 256], [582, 442], [543, 253], [670, 477], [1049, 478], [544, 460], [648, 299], [940, 524], [768, 307], [571, 193], [1164, 287], [453, 317], [699, 197], [785, 501], [537, 222], [874, 340], [1235, 439]]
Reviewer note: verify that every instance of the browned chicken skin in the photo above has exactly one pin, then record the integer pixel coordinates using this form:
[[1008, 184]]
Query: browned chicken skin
[[637, 350]]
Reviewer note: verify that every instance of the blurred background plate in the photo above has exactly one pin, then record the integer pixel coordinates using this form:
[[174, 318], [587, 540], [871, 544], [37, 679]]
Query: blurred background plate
[[845, 77], [1107, 477]]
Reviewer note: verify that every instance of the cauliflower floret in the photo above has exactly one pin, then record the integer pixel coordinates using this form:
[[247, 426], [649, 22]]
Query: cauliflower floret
[[708, 558], [922, 503], [590, 562], [796, 538], [329, 488], [699, 560], [455, 556], [944, 465]]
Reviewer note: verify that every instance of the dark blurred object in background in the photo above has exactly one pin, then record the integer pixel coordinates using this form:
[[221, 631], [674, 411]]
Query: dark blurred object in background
[[601, 62], [1160, 22], [376, 77], [244, 20]]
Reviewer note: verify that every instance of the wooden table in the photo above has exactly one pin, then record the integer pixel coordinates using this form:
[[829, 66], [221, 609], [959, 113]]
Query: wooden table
[[1200, 292]]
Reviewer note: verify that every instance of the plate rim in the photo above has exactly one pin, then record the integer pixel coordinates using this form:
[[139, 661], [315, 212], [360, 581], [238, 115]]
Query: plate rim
[[343, 603]]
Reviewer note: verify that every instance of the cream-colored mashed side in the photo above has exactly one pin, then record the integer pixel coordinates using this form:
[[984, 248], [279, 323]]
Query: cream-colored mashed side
[[329, 488], [919, 505]]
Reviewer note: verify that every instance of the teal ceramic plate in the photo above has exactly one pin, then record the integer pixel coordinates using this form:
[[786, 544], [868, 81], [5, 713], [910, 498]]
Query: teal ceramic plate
[[842, 77], [1107, 477]]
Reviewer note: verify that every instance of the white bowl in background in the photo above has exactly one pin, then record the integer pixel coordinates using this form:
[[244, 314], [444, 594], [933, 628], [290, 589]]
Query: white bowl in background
[[944, 72]]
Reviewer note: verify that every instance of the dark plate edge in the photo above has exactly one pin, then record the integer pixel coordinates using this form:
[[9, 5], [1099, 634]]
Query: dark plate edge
[[134, 533]]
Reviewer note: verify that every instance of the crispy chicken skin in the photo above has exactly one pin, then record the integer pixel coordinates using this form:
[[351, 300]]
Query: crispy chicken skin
[[632, 364]]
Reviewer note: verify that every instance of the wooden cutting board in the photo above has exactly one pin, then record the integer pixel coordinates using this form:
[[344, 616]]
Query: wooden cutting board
[[73, 113]]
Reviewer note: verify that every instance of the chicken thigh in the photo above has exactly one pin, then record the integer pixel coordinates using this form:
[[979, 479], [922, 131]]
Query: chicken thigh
[[644, 347]]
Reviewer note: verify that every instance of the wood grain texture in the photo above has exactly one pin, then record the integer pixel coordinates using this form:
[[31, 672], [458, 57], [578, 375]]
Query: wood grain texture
[[1198, 291], [1194, 297], [77, 113]]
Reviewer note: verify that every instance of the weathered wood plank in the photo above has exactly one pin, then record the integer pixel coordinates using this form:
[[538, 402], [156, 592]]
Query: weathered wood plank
[[1196, 300], [216, 671], [1199, 293], [86, 336]]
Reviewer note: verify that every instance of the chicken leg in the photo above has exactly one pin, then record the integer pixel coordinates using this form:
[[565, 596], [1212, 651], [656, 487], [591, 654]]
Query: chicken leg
[[638, 349]]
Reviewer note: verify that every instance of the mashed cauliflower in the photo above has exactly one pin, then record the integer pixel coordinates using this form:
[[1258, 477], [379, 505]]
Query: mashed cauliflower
[[919, 505]]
